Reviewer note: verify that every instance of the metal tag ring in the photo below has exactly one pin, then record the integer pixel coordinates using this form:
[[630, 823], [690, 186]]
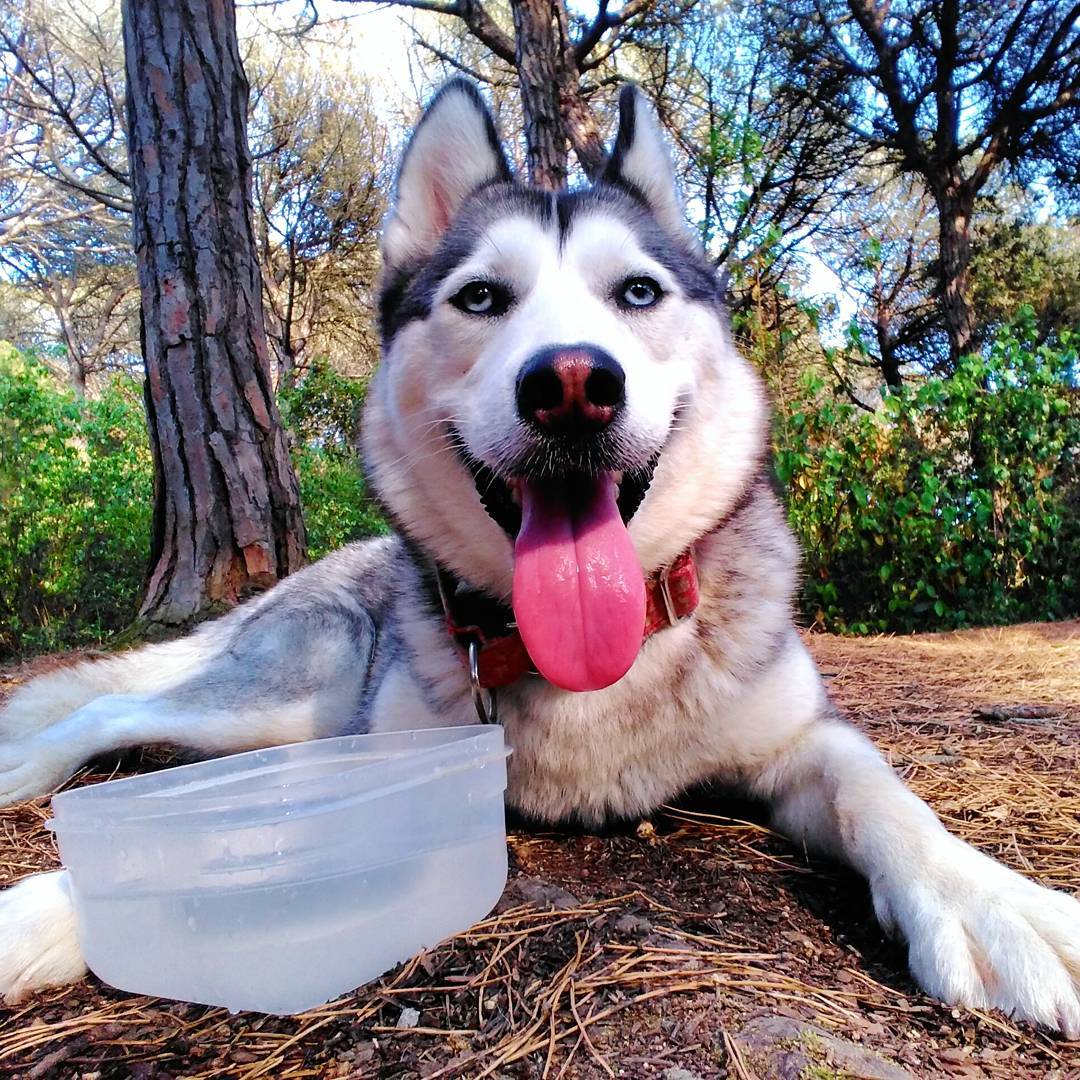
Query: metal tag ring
[[487, 706]]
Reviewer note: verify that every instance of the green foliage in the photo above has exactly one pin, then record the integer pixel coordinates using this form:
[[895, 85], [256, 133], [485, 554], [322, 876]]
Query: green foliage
[[337, 509], [75, 508], [76, 497], [1018, 260], [322, 414], [957, 503]]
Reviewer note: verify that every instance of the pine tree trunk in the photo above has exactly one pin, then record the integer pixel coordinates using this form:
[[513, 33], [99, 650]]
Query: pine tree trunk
[[955, 205], [888, 362], [581, 128], [557, 118], [226, 502], [540, 36]]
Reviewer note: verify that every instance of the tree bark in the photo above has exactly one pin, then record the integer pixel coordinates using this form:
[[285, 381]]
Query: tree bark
[[581, 127], [889, 362], [955, 204], [540, 42], [57, 292], [557, 117], [227, 514]]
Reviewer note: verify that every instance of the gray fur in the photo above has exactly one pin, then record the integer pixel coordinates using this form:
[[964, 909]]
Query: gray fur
[[406, 293]]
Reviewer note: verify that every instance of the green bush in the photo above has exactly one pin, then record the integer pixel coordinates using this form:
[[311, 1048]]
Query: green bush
[[957, 503], [75, 508], [76, 497], [322, 414]]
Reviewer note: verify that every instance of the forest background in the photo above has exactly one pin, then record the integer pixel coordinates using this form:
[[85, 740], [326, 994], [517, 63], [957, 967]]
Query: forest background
[[890, 191]]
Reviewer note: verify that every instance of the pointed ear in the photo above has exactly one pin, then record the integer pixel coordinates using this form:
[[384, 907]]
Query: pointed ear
[[454, 151], [641, 160]]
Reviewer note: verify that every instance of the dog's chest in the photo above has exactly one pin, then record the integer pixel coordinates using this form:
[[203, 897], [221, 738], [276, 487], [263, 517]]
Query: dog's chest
[[622, 751]]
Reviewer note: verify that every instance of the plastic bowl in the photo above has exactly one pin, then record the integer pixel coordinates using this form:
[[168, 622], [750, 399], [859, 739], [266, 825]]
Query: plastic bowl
[[278, 879]]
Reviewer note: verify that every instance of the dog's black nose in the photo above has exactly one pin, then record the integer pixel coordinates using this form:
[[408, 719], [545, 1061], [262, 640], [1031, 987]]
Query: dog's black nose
[[570, 389]]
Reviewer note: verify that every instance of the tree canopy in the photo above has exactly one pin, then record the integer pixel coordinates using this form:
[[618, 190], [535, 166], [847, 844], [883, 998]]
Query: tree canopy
[[952, 91]]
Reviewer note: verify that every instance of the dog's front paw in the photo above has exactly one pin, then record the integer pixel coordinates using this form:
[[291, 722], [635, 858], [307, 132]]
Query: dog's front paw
[[982, 936], [32, 767], [39, 945]]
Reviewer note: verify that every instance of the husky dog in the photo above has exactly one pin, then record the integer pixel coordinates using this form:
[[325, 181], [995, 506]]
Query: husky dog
[[575, 460]]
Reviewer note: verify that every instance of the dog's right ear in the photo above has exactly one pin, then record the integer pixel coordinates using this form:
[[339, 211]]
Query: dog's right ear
[[641, 160], [453, 152]]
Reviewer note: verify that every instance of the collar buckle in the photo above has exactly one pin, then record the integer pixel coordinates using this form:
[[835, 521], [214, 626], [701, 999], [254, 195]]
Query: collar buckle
[[674, 616]]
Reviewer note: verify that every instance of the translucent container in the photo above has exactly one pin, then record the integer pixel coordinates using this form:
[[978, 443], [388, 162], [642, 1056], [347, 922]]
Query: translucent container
[[279, 879]]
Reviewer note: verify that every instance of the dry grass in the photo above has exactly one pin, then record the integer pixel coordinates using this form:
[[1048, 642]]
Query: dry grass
[[666, 938], [1010, 788]]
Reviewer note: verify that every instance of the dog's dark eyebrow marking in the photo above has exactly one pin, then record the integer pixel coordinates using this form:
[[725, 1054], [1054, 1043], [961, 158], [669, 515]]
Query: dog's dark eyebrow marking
[[548, 209], [564, 205], [391, 293], [678, 255], [408, 292]]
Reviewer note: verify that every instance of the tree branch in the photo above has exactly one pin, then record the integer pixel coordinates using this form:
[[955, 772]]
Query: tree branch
[[591, 38], [604, 22], [446, 58], [999, 131], [475, 16], [871, 20]]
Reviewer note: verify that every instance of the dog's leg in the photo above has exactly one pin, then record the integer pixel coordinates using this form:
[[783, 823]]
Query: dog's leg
[[149, 669], [978, 934], [39, 946], [33, 766], [279, 679]]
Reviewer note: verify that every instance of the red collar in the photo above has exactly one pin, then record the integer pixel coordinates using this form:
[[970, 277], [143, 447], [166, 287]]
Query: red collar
[[671, 595]]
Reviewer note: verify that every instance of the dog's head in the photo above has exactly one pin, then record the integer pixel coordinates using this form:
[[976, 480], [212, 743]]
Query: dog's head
[[559, 411]]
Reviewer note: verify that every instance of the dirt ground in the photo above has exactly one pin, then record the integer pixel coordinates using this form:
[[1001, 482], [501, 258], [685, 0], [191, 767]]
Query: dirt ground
[[695, 945]]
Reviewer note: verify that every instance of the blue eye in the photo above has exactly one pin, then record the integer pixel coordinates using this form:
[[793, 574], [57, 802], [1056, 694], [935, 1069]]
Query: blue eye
[[482, 298], [639, 292]]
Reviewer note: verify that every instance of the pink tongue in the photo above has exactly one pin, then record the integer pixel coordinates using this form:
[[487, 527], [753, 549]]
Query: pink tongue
[[579, 593]]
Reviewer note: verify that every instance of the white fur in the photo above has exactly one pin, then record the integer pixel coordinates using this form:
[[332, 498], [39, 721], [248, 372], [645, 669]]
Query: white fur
[[978, 933], [564, 297], [448, 158], [39, 945]]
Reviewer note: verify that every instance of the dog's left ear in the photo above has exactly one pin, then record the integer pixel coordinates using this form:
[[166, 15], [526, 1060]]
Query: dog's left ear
[[453, 152], [641, 160]]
